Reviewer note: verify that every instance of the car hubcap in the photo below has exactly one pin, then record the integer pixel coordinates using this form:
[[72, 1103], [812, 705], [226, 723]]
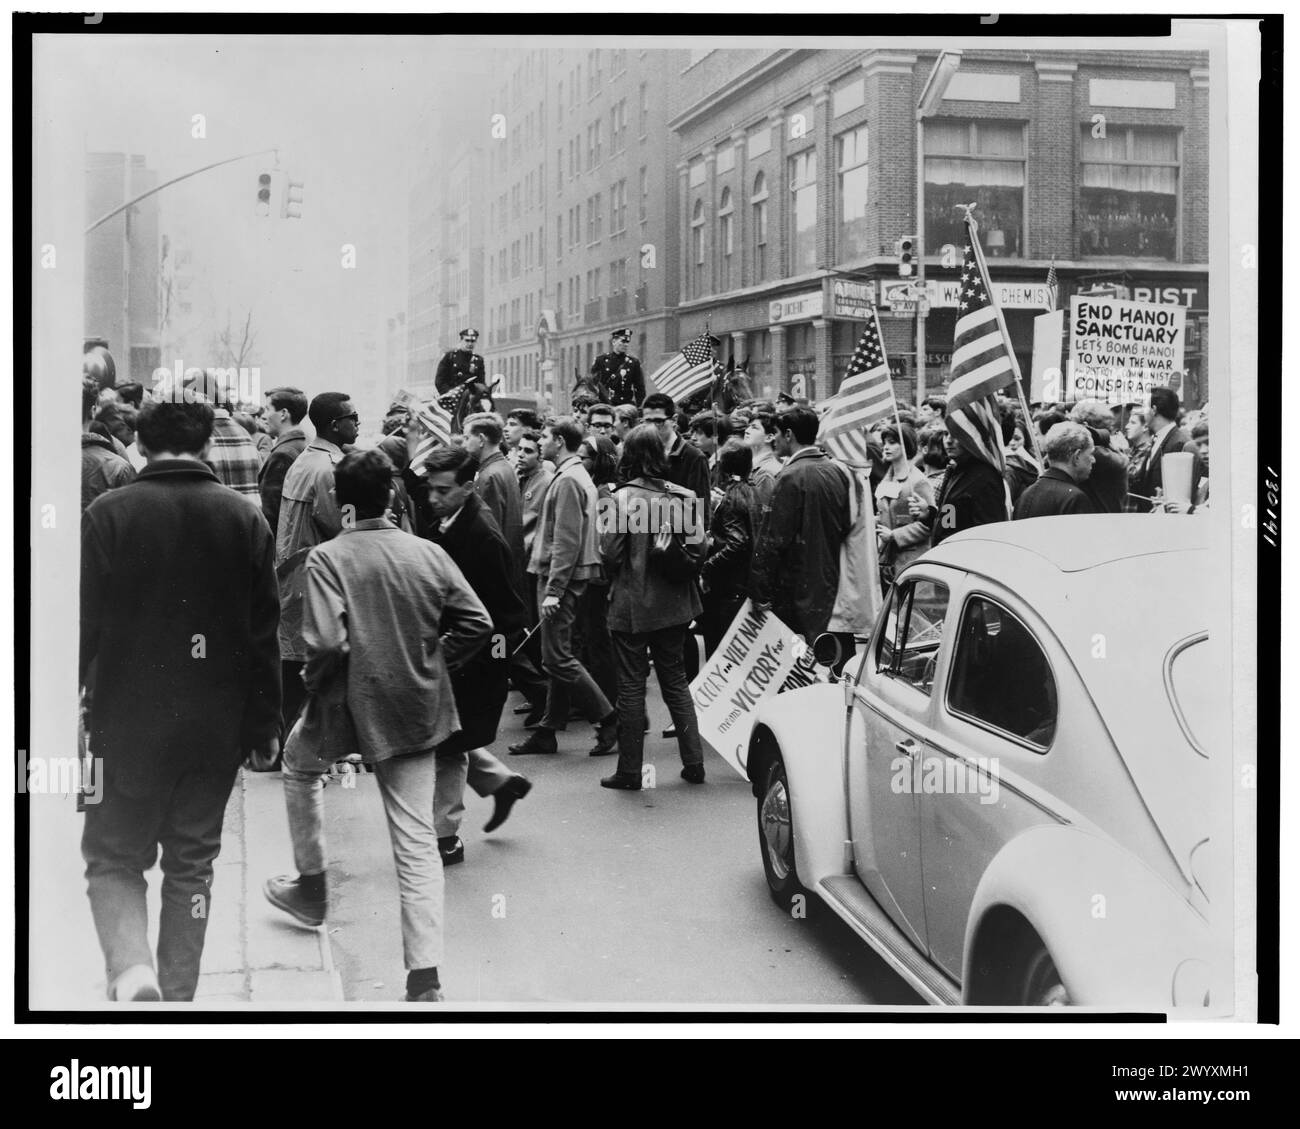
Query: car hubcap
[[776, 828]]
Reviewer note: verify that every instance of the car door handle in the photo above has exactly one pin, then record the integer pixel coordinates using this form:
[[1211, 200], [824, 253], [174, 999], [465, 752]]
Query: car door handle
[[908, 747]]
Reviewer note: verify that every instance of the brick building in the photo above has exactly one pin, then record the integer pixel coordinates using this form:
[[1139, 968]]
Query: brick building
[[578, 215], [798, 174]]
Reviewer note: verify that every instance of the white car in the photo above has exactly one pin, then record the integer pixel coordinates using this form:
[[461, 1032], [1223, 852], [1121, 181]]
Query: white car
[[1010, 795]]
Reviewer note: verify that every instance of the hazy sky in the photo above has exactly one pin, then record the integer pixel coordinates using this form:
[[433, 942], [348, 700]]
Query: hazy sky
[[342, 112]]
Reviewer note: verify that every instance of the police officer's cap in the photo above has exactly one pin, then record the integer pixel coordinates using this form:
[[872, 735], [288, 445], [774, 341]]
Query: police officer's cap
[[621, 335], [472, 334]]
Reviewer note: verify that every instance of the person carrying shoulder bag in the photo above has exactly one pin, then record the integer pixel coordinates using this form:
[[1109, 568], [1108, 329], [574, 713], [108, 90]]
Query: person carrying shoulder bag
[[652, 556]]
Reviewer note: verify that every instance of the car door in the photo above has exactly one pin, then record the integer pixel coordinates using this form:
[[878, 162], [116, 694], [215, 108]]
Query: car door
[[889, 729], [997, 718]]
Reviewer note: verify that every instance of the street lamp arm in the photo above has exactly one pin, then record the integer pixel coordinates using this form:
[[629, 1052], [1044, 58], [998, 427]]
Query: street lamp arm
[[175, 180]]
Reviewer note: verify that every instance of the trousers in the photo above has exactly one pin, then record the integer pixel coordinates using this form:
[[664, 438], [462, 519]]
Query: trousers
[[120, 841], [570, 683], [633, 653]]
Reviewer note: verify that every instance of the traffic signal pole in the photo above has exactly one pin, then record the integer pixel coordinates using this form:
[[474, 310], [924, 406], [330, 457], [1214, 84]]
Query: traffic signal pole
[[175, 180]]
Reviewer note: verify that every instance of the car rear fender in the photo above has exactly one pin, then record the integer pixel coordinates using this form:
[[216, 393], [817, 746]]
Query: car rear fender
[[1115, 930], [807, 727]]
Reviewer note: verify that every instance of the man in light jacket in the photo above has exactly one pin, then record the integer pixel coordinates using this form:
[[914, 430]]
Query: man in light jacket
[[386, 614], [565, 556]]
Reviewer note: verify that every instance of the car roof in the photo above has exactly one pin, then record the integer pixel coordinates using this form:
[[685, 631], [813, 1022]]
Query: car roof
[[1140, 583]]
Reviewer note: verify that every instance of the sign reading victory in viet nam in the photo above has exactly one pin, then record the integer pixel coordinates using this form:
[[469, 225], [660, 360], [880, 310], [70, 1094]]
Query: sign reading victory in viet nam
[[758, 656], [1120, 350]]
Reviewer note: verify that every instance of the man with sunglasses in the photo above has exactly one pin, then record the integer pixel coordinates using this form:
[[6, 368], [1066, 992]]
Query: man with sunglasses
[[309, 515]]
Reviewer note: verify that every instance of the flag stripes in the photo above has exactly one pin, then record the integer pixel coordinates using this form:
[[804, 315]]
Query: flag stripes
[[867, 395], [688, 371]]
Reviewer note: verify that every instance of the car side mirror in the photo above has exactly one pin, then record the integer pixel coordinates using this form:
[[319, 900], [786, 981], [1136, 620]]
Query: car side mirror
[[827, 650]]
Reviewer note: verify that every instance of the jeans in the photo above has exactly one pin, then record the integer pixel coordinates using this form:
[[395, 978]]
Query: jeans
[[598, 647], [569, 678], [665, 648], [120, 842], [406, 785], [477, 767], [294, 695]]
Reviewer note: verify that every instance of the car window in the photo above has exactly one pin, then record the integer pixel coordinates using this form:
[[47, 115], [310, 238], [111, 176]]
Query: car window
[[909, 644], [1190, 681], [1001, 675]]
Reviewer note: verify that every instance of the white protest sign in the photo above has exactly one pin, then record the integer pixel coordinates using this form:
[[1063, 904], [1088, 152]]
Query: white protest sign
[[754, 660], [1120, 350]]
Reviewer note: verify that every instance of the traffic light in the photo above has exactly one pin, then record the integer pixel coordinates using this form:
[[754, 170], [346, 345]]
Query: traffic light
[[263, 194], [905, 249], [291, 207]]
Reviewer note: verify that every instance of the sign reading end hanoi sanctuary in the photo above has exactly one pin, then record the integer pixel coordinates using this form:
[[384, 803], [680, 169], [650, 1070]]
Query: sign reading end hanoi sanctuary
[[1120, 350]]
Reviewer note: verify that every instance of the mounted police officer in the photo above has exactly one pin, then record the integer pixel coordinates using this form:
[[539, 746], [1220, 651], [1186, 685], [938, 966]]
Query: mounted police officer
[[460, 365], [620, 372]]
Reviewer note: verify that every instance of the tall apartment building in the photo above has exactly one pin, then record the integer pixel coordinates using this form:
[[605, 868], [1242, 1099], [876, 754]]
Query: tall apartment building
[[580, 214], [122, 264], [798, 174]]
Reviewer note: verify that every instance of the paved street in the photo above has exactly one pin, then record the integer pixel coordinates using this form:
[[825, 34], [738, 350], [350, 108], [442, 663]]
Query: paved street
[[585, 896]]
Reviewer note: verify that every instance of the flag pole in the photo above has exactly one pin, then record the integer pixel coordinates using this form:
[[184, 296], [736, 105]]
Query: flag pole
[[1006, 337]]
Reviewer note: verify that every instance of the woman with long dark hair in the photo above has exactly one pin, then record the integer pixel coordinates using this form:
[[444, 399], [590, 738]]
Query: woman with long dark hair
[[651, 554]]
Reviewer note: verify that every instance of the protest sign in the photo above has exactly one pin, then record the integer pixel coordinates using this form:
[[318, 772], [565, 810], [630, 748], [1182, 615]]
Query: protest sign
[[1120, 350], [756, 658], [1045, 376]]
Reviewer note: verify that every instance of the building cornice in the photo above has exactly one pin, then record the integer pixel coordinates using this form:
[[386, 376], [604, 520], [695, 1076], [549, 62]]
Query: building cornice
[[756, 75], [888, 63], [1056, 72]]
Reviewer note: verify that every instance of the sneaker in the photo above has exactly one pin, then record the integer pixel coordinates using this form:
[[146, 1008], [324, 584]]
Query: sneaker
[[693, 774], [452, 850], [285, 892], [138, 984], [503, 799]]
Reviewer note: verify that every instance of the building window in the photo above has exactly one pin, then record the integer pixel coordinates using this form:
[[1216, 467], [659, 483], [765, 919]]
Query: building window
[[618, 207], [697, 249], [645, 193], [803, 211], [758, 204], [1128, 193], [851, 161], [980, 161], [559, 103], [618, 126], [559, 239], [559, 170], [725, 239]]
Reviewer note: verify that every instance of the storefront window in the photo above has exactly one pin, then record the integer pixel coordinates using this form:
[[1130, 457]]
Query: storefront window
[[851, 159], [1128, 194], [982, 162], [803, 211]]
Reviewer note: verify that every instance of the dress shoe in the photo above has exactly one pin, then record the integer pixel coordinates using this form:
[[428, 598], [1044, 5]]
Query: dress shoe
[[451, 849], [432, 996], [693, 774], [286, 893], [138, 984], [538, 741], [606, 737], [503, 799], [631, 781]]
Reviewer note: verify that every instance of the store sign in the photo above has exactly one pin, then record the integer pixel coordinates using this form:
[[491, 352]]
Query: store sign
[[797, 308], [1120, 350], [946, 293], [1180, 295], [852, 299]]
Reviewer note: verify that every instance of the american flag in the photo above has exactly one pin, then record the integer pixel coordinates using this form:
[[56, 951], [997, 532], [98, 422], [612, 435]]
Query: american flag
[[981, 362], [1053, 289], [433, 426], [687, 372], [866, 395]]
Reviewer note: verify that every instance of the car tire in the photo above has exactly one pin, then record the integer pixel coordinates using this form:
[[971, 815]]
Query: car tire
[[776, 841], [1039, 983]]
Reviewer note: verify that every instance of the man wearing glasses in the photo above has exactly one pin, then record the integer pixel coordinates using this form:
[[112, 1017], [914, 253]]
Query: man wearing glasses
[[600, 421], [308, 515]]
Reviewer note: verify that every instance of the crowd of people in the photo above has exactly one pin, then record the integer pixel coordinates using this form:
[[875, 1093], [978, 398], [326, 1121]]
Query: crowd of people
[[367, 603]]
